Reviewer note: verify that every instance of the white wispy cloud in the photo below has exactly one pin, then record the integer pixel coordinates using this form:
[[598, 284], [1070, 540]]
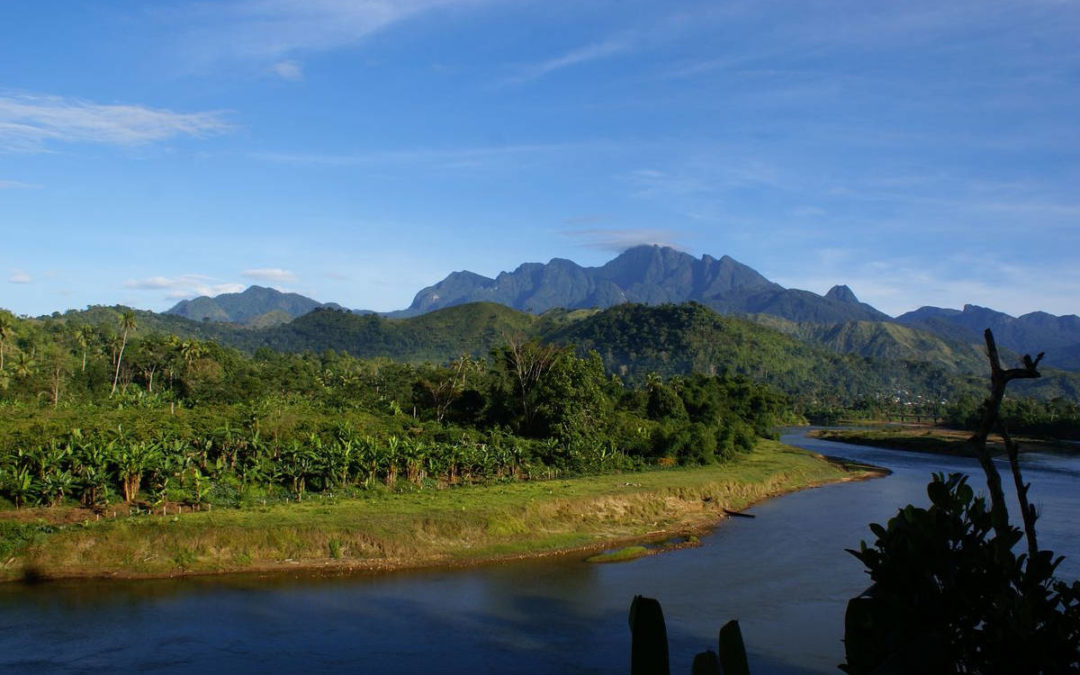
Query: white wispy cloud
[[619, 239], [586, 219], [288, 70], [593, 52], [19, 277], [443, 158], [807, 211], [184, 286], [270, 30], [17, 185], [29, 122], [696, 176], [272, 274]]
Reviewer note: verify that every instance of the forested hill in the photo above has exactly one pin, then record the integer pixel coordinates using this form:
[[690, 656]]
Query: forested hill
[[257, 307], [437, 337], [637, 339], [887, 340], [632, 339]]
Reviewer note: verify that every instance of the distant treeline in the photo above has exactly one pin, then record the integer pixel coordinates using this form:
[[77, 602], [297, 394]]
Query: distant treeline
[[1056, 418], [819, 373]]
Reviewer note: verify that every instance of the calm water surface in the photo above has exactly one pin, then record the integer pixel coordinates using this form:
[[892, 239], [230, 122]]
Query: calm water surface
[[784, 575]]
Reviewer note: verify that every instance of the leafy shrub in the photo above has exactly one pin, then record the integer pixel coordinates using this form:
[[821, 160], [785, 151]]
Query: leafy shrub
[[949, 598]]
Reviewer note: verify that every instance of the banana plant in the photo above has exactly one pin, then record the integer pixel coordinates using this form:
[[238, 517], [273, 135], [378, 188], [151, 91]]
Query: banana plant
[[92, 470], [390, 460], [20, 482], [369, 457], [132, 459], [412, 453], [200, 484], [55, 485], [341, 458], [299, 463]]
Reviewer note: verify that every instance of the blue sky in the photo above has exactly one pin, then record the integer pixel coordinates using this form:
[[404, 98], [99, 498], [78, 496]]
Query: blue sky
[[924, 153]]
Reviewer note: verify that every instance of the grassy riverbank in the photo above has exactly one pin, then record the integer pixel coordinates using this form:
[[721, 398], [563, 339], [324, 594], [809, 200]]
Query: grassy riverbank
[[395, 530], [934, 440]]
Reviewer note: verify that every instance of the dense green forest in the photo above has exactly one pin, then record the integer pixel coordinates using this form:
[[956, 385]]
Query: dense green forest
[[111, 403], [102, 412]]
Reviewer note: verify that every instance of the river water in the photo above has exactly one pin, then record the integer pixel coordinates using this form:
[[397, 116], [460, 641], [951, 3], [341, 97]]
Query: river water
[[784, 575]]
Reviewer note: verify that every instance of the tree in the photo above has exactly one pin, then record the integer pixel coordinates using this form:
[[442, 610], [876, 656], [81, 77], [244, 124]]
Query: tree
[[527, 362], [127, 324], [84, 337], [571, 403], [24, 364], [7, 330], [442, 386], [999, 379], [56, 358], [191, 351], [149, 358]]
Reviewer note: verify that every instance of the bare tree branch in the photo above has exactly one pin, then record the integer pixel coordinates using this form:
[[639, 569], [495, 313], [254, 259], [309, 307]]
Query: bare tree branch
[[999, 379]]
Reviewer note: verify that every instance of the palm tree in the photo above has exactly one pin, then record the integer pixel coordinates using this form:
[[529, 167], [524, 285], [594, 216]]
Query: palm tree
[[191, 351], [127, 323], [7, 329], [24, 364], [84, 336]]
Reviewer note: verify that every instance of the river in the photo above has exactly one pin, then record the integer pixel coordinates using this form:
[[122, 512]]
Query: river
[[784, 575]]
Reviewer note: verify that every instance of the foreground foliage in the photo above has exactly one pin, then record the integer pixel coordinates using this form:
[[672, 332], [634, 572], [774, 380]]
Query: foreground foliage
[[949, 597]]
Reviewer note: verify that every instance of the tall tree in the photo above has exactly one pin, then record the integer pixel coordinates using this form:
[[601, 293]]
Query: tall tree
[[55, 357], [191, 351], [84, 336], [527, 361], [7, 329], [127, 324]]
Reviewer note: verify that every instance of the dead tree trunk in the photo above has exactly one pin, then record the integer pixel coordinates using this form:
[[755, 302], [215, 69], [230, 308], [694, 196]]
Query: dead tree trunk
[[999, 379]]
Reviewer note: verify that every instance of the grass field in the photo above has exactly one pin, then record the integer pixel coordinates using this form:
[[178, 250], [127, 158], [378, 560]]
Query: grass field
[[393, 530]]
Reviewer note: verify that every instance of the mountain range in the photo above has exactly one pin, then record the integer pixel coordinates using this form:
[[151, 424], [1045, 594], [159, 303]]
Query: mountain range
[[655, 275], [1057, 336], [650, 275]]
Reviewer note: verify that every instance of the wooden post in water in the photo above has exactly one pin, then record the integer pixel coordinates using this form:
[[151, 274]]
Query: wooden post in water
[[648, 633]]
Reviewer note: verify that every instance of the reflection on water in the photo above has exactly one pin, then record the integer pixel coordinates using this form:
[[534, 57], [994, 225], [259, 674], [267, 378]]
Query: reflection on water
[[785, 575]]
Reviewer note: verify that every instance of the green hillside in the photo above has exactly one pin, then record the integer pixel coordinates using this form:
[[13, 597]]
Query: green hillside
[[437, 337], [635, 340], [884, 340]]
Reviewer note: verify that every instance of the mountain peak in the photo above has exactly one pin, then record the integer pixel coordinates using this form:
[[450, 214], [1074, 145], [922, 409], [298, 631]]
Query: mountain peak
[[841, 293]]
